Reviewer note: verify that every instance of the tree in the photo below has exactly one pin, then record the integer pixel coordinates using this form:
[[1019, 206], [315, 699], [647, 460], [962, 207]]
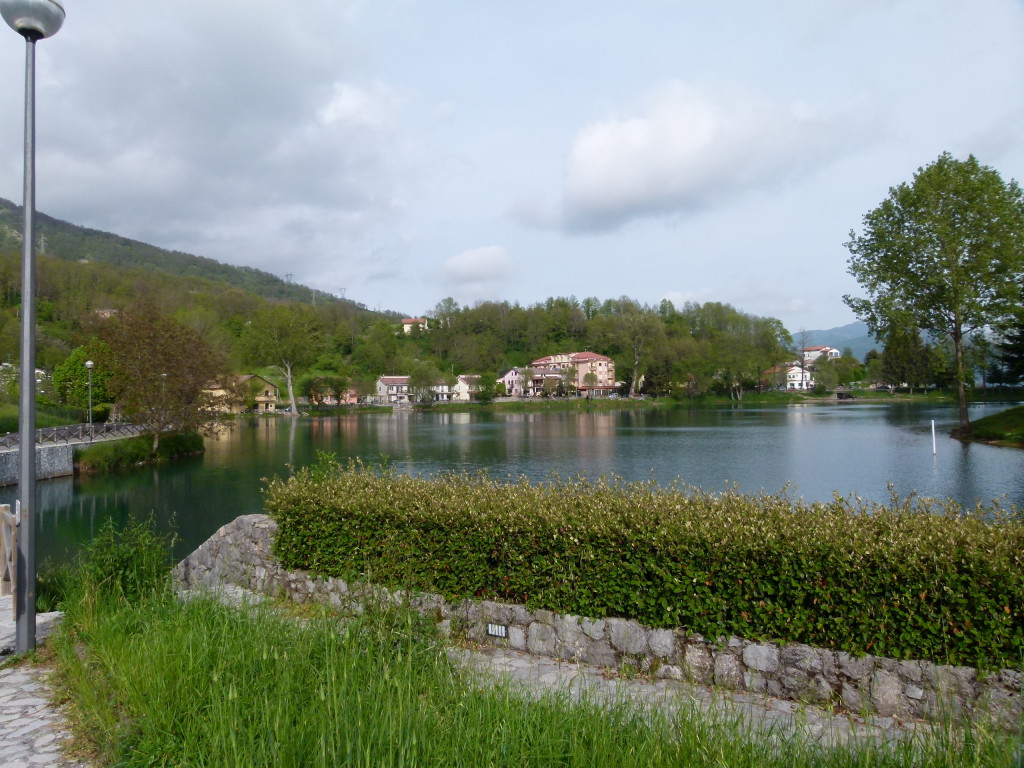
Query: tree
[[285, 336], [906, 360], [161, 373], [944, 254], [71, 378]]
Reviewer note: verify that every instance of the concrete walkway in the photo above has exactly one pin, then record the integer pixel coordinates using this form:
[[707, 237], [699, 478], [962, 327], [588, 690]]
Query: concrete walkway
[[32, 730]]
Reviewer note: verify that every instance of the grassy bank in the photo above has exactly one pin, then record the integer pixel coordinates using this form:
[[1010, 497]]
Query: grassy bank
[[110, 455], [153, 681], [1005, 428]]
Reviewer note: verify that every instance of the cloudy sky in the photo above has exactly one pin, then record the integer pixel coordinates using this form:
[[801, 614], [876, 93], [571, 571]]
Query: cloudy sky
[[400, 151]]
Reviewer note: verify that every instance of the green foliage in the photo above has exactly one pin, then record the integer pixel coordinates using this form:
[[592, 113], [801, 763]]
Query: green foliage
[[71, 377], [944, 254], [914, 579], [118, 454], [160, 371], [168, 682]]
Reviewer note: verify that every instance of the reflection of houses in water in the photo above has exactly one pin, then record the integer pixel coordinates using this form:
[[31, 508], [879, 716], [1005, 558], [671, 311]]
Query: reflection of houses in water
[[544, 435], [329, 431]]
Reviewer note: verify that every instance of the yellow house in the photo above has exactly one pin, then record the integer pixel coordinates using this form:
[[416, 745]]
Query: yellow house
[[247, 391]]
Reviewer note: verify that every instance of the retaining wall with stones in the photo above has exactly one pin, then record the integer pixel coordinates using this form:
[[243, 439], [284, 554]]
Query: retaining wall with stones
[[240, 554], [51, 461]]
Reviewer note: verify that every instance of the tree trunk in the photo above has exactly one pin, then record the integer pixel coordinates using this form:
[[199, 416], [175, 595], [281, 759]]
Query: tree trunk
[[286, 367], [961, 375]]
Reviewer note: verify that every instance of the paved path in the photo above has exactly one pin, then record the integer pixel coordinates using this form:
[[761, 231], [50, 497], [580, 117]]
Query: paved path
[[32, 729]]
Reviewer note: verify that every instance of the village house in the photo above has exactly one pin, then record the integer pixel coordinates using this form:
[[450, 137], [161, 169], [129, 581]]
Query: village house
[[813, 353], [789, 376], [466, 387], [392, 389], [408, 323], [585, 373], [246, 392]]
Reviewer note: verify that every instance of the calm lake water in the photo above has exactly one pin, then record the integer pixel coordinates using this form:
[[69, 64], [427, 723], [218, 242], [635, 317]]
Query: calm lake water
[[816, 449]]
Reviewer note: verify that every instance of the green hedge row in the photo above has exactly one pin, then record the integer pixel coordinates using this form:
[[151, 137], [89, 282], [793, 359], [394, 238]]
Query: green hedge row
[[912, 579]]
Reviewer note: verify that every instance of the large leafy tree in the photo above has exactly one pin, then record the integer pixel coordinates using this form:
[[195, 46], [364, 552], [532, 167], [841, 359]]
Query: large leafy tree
[[945, 254], [288, 337], [162, 374]]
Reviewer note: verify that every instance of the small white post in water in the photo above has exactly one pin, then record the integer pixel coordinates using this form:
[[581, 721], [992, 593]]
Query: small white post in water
[[934, 451]]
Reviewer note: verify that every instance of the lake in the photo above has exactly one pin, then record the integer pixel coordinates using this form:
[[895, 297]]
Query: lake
[[817, 449]]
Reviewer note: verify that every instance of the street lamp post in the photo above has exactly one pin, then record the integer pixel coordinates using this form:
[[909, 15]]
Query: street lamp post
[[88, 367], [33, 20]]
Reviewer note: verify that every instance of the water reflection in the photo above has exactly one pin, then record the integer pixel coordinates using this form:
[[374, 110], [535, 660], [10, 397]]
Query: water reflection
[[815, 450]]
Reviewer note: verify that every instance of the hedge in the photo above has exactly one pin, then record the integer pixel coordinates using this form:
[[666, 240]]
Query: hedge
[[915, 578]]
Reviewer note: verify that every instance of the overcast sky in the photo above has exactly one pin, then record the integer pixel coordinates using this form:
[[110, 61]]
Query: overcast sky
[[402, 151]]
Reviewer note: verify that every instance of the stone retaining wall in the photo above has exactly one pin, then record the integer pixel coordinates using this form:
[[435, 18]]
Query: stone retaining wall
[[240, 554], [51, 461]]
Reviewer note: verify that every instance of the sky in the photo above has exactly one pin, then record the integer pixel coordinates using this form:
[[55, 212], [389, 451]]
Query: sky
[[398, 152]]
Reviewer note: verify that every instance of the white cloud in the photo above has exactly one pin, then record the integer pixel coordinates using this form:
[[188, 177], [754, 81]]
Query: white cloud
[[370, 107], [478, 265], [687, 148], [477, 273]]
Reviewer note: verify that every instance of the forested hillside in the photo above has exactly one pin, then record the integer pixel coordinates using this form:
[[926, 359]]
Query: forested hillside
[[69, 242]]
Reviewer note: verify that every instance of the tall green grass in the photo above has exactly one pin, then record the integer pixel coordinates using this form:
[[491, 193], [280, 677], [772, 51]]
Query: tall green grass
[[156, 681]]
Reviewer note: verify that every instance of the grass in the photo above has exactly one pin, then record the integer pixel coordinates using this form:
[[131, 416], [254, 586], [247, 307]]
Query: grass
[[155, 681], [1006, 427]]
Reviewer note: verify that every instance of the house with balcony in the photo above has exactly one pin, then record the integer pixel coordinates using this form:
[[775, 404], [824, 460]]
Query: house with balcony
[[583, 373], [392, 389]]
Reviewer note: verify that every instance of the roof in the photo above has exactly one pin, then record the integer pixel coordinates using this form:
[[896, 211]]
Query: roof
[[572, 357], [393, 379]]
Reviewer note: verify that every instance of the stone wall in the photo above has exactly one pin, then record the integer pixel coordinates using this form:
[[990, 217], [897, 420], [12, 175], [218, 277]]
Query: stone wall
[[240, 554], [51, 461]]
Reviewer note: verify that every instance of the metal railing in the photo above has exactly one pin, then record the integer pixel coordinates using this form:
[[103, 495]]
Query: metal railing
[[9, 546], [73, 433]]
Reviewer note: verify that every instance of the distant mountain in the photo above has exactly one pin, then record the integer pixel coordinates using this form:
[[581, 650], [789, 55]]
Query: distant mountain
[[70, 242], [855, 336]]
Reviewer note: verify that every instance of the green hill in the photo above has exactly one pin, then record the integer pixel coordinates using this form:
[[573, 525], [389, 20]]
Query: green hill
[[69, 242]]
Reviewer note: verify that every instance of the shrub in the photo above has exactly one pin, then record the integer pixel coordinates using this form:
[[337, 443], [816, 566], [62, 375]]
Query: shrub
[[913, 579], [116, 454], [129, 562]]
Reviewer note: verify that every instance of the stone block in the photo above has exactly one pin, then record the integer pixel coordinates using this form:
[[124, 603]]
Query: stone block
[[662, 642], [762, 658], [593, 629], [755, 682], [851, 698], [728, 671], [601, 653], [517, 638], [802, 657], [541, 639], [669, 672], [887, 697], [627, 636], [698, 664]]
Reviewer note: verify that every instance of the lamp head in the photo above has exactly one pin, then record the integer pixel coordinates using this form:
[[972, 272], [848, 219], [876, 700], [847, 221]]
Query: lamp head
[[89, 364], [34, 19]]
